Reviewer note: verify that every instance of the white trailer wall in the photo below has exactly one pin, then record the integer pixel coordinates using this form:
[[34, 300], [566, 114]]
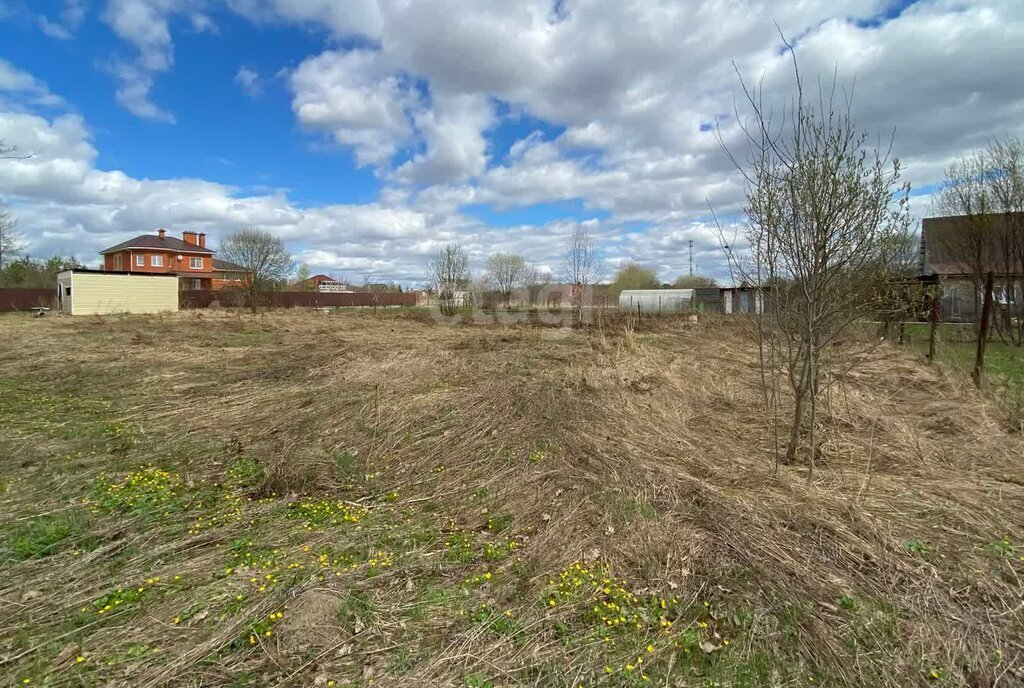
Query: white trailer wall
[[98, 293]]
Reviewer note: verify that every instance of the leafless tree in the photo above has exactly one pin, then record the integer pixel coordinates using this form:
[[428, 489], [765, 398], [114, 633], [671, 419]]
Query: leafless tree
[[536, 281], [582, 266], [984, 191], [827, 219], [449, 273], [479, 289], [10, 240], [262, 254], [506, 271]]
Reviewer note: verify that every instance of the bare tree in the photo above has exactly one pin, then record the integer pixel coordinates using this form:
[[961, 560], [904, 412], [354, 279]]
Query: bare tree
[[479, 289], [449, 273], [582, 266], [536, 281], [984, 193], [827, 220], [965, 194], [506, 271], [10, 240], [262, 254]]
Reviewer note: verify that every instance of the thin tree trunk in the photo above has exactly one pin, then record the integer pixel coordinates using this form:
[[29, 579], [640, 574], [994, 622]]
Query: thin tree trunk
[[986, 310], [813, 417], [933, 320], [798, 413]]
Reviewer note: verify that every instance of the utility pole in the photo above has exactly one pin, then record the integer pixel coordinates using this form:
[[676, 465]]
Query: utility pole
[[691, 257]]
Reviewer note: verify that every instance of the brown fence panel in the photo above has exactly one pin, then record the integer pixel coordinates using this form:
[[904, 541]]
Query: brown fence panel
[[204, 298], [24, 299], [292, 299]]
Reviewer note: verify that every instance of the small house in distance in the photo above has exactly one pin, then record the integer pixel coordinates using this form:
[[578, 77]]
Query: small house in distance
[[97, 292], [957, 251], [325, 284], [743, 298]]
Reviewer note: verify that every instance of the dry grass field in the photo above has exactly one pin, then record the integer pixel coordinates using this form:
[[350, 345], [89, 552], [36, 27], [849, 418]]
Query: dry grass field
[[297, 499]]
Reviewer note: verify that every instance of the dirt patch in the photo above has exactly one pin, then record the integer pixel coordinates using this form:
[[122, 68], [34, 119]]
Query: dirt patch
[[312, 621]]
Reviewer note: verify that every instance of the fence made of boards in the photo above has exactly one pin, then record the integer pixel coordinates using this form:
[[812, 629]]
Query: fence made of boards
[[23, 299], [294, 299]]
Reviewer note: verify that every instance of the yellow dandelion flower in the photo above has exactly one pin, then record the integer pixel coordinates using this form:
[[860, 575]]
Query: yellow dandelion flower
[[79, 659]]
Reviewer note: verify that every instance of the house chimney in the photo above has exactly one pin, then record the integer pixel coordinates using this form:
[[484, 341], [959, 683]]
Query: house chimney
[[189, 238], [202, 240], [161, 232]]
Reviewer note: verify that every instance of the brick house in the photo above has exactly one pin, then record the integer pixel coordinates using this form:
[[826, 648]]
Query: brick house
[[188, 258]]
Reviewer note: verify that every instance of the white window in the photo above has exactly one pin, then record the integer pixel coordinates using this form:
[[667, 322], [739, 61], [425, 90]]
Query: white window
[[195, 263], [156, 260], [140, 259]]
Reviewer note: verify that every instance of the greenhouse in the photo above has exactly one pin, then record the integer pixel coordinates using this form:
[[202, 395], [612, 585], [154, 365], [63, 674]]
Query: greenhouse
[[656, 301]]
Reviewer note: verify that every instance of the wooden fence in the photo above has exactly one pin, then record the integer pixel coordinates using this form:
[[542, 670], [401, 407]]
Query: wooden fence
[[24, 299], [294, 299]]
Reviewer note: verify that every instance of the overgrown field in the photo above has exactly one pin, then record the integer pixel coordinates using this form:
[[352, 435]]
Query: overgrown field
[[352, 500], [956, 346]]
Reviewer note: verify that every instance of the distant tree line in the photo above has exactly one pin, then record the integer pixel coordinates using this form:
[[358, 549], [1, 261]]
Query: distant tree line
[[28, 273], [450, 278]]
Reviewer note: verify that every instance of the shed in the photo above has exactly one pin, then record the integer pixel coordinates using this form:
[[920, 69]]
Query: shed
[[95, 292], [743, 299], [656, 300]]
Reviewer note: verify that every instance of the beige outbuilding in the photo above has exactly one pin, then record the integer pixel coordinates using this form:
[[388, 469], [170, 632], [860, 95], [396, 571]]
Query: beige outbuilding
[[94, 292]]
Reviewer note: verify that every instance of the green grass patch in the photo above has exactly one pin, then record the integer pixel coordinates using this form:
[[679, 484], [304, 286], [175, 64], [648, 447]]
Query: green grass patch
[[45, 535]]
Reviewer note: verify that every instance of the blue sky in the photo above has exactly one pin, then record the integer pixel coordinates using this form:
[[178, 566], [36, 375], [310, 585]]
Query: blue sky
[[367, 134], [220, 133]]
